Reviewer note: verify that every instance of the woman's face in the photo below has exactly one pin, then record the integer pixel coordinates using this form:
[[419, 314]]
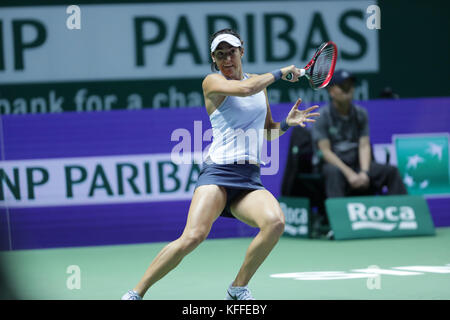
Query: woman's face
[[228, 60]]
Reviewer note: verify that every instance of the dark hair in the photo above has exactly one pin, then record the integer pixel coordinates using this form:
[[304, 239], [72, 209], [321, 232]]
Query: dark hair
[[215, 34]]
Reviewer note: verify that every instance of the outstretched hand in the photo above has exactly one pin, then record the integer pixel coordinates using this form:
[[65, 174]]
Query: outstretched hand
[[297, 117]]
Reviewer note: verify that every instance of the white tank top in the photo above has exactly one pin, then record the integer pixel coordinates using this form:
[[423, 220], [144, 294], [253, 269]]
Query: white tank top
[[238, 129]]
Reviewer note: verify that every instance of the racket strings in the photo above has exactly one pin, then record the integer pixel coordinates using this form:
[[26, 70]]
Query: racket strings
[[322, 66]]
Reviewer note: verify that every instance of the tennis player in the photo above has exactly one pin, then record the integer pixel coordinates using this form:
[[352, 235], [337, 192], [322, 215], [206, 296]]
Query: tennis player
[[229, 183]]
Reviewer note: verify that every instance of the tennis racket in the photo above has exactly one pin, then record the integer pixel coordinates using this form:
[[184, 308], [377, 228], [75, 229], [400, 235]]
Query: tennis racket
[[320, 69]]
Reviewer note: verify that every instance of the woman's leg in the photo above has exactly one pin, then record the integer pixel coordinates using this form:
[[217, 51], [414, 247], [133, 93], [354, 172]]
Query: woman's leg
[[207, 204], [260, 209]]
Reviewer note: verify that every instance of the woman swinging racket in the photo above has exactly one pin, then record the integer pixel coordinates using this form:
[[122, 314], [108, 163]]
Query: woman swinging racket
[[229, 183]]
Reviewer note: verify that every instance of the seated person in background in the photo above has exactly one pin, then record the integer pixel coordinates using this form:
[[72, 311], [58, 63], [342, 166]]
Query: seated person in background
[[341, 133]]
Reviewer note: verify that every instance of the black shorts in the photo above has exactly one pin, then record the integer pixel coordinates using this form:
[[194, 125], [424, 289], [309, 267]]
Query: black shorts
[[237, 179]]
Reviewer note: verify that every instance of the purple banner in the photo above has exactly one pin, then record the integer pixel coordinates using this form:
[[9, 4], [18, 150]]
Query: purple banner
[[90, 147]]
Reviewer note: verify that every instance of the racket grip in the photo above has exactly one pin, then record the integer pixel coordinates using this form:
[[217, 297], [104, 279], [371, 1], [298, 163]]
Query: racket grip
[[290, 75]]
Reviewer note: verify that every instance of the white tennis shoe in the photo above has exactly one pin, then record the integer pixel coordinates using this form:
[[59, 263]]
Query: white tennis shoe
[[131, 295], [239, 293]]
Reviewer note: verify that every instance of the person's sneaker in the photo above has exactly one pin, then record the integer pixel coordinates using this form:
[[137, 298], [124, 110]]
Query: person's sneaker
[[330, 235], [239, 293], [131, 295]]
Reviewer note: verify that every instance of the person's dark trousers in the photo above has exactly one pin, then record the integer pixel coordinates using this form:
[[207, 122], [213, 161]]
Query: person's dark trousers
[[380, 175]]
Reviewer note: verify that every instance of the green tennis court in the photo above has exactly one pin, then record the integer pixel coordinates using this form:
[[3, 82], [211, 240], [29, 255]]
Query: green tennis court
[[107, 272]]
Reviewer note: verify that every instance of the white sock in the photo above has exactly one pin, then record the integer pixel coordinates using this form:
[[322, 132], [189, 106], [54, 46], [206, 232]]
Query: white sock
[[236, 288]]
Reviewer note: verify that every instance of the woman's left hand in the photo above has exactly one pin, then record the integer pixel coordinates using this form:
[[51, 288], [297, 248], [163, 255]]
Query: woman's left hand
[[297, 117]]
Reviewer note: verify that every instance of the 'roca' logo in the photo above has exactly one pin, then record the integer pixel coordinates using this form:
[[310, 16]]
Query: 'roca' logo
[[377, 218]]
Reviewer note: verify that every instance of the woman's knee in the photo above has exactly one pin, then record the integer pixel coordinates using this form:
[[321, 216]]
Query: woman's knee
[[191, 239], [278, 226], [275, 224]]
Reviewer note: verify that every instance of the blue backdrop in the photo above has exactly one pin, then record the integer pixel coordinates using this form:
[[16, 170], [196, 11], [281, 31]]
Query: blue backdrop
[[68, 135]]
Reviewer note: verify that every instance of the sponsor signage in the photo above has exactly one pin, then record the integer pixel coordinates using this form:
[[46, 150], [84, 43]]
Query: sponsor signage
[[424, 162], [379, 216], [171, 40], [134, 56], [96, 180], [297, 216]]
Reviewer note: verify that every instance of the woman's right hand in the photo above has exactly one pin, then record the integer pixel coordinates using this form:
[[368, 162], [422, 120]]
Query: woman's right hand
[[296, 73]]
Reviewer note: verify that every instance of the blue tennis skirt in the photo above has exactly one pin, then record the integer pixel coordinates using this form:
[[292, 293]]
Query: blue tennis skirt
[[237, 179]]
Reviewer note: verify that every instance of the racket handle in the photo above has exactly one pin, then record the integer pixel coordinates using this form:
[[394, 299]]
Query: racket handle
[[290, 75]]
